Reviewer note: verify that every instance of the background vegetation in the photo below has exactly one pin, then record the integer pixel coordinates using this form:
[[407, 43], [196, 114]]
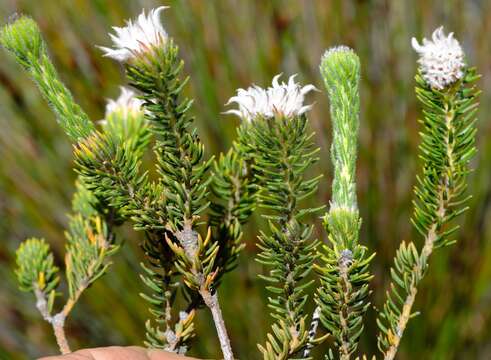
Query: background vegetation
[[228, 44]]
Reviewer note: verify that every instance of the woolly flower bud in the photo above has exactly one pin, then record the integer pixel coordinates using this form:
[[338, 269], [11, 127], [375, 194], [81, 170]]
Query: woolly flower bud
[[337, 50], [441, 59], [137, 37], [23, 38], [340, 65], [279, 99], [126, 104], [340, 70]]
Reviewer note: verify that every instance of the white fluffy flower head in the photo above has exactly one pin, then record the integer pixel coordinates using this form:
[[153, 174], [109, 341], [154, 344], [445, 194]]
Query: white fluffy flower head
[[280, 99], [137, 37], [126, 104], [441, 59]]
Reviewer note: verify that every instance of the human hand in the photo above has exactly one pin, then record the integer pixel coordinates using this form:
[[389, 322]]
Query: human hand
[[118, 353]]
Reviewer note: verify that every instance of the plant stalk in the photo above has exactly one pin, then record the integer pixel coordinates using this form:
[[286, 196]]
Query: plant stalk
[[57, 321], [427, 249], [408, 303], [344, 349], [211, 300]]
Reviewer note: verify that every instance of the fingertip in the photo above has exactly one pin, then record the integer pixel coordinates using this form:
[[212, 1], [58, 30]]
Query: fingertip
[[154, 354]]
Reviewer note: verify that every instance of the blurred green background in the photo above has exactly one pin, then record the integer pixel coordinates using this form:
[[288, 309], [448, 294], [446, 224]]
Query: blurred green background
[[228, 44]]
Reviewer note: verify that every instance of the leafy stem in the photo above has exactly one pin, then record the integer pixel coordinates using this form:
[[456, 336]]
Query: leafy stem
[[211, 300], [342, 297], [447, 146], [416, 275], [283, 152]]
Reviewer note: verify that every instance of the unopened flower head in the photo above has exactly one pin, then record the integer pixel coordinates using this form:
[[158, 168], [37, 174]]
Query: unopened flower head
[[127, 104], [23, 38], [137, 37], [340, 66], [336, 50], [441, 59], [286, 99]]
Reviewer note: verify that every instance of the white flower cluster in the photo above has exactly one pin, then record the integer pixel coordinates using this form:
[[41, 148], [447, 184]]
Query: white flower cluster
[[441, 59], [137, 37], [280, 99], [126, 104]]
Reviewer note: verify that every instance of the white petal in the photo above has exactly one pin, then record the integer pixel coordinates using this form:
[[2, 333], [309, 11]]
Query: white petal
[[233, 112], [308, 88], [291, 80], [275, 80], [416, 46], [305, 108]]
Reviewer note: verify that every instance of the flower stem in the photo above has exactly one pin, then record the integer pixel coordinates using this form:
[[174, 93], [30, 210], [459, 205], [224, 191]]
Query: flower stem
[[445, 195], [211, 300]]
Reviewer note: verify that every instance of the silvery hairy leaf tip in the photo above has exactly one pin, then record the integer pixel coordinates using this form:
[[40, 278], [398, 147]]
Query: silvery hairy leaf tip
[[441, 59], [286, 99]]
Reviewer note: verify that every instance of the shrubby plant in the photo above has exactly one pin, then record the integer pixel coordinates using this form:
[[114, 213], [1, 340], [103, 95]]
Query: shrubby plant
[[193, 214]]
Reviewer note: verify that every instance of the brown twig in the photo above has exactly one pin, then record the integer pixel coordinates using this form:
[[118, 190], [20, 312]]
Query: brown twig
[[211, 300]]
